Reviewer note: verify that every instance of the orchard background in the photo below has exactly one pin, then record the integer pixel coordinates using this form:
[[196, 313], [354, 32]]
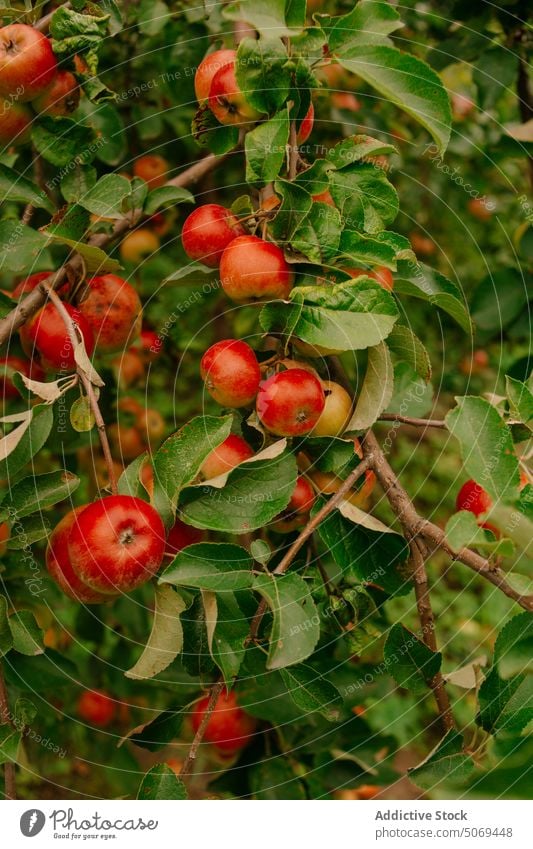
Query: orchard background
[[300, 565]]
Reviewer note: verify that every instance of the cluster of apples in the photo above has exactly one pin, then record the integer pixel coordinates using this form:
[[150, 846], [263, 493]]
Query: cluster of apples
[[29, 73]]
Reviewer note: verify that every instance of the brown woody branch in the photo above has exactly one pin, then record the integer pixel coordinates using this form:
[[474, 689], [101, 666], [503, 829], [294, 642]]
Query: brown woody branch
[[411, 420]]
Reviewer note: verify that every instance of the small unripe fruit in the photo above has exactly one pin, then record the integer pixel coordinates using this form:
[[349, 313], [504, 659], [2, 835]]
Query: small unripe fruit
[[207, 69], [139, 245], [153, 169], [474, 498], [290, 403], [62, 97], [337, 410], [113, 310], [229, 728], [231, 373], [116, 544], [97, 708], [15, 123], [207, 231], [46, 333], [251, 268], [59, 565], [225, 457], [27, 62], [226, 101]]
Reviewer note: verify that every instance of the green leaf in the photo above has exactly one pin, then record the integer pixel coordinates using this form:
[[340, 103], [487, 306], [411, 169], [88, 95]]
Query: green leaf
[[63, 141], [346, 317], [505, 705], [129, 483], [275, 778], [166, 196], [376, 390], [111, 145], [152, 17], [408, 347], [520, 401], [36, 493], [260, 551], [499, 299], [269, 17], [6, 637], [366, 555], [262, 73], [463, 531], [311, 692], [411, 396], [178, 460], [295, 207], [27, 636], [31, 441], [494, 72], [265, 148], [161, 782], [76, 183], [73, 32], [166, 637], [220, 567], [512, 650], [157, 733], [9, 744], [365, 197], [227, 630], [296, 626], [254, 494], [358, 247], [356, 148], [106, 197], [196, 656], [407, 82], [421, 281], [96, 260], [29, 530], [410, 662], [483, 436], [15, 187], [81, 415], [447, 762], [368, 23], [20, 247]]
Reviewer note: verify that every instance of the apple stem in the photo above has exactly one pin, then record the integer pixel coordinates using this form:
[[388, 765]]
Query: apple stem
[[89, 391], [6, 719]]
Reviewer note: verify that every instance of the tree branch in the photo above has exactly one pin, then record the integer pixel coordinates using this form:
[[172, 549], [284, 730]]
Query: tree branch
[[410, 420], [5, 719]]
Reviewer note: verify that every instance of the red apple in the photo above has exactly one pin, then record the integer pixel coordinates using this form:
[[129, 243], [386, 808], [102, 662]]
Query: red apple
[[149, 345], [96, 707], [306, 126], [27, 62], [231, 373], [226, 101], [481, 208], [474, 498], [15, 123], [381, 274], [153, 169], [113, 310], [116, 544], [296, 513], [46, 333], [128, 368], [207, 69], [29, 283], [251, 268], [180, 536], [421, 244], [290, 403], [4, 537], [61, 97], [225, 457], [208, 231], [324, 197], [229, 728], [59, 566]]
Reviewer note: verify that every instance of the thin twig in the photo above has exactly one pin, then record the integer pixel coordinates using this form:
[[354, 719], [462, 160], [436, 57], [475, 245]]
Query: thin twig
[[410, 420], [293, 151], [216, 691], [89, 391], [5, 719]]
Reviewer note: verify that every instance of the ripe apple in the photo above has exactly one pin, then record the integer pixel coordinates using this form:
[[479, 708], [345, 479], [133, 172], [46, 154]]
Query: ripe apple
[[306, 126], [380, 274], [251, 268], [480, 208], [324, 197], [59, 566], [474, 364], [96, 707], [15, 123], [290, 402], [180, 536], [229, 727], [207, 69], [116, 544], [62, 96], [125, 440], [226, 101], [113, 309], [153, 169], [337, 410], [225, 457], [421, 244], [231, 373], [4, 537], [29, 283], [128, 368], [27, 62], [148, 346], [474, 498], [208, 231], [297, 510], [139, 245], [46, 334]]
